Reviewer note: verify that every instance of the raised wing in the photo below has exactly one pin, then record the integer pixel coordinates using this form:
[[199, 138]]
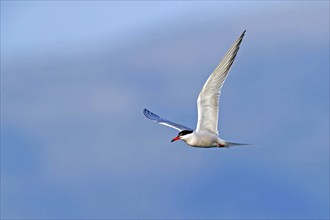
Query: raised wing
[[208, 99], [163, 121]]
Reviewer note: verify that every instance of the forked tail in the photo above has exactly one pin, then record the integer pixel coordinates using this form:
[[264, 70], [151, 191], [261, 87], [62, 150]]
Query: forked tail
[[229, 144]]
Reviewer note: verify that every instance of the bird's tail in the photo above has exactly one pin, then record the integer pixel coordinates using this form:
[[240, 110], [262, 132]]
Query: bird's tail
[[229, 144]]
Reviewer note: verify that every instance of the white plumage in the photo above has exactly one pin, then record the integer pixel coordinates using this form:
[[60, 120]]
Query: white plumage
[[206, 133]]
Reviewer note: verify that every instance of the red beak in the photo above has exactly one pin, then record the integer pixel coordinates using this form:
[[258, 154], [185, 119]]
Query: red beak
[[176, 138]]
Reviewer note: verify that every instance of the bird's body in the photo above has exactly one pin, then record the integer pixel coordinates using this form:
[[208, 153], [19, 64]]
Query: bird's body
[[206, 133], [203, 139]]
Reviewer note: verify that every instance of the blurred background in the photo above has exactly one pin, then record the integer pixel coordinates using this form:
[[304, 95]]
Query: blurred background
[[76, 75]]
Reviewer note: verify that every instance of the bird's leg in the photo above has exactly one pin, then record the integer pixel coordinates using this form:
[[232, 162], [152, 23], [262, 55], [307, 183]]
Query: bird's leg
[[221, 145]]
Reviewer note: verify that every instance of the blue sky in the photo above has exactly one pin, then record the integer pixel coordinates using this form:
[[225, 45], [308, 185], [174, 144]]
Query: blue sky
[[76, 75]]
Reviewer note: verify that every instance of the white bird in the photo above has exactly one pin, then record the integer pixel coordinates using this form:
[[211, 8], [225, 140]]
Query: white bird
[[206, 133]]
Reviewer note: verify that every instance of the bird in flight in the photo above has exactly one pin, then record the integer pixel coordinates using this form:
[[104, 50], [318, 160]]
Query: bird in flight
[[206, 133]]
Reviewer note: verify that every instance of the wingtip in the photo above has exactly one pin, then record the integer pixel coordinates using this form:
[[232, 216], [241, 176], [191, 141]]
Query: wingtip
[[242, 35], [145, 112], [150, 115]]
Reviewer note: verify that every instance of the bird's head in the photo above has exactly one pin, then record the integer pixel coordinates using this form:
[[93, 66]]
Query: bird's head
[[182, 135]]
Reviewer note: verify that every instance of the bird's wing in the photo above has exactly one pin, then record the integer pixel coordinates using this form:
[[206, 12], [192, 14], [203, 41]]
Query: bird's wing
[[208, 99], [163, 121]]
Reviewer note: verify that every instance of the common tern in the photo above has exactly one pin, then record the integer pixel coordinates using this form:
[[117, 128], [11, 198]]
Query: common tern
[[206, 133]]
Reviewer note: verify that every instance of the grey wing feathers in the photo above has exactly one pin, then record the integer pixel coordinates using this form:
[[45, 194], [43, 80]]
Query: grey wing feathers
[[163, 121], [208, 99]]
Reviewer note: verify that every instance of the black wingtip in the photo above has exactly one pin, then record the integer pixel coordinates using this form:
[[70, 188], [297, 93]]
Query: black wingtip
[[146, 112], [242, 35], [150, 115]]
